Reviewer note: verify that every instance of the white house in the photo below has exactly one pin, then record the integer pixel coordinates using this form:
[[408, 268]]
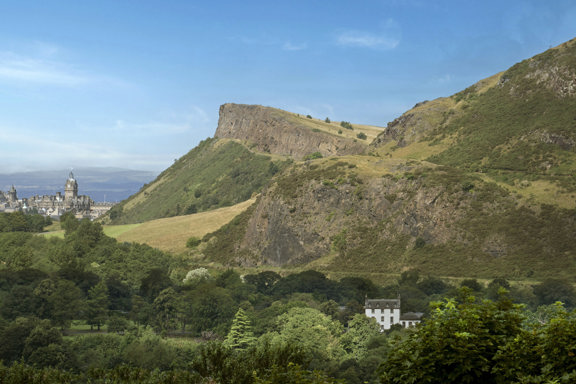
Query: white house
[[387, 313]]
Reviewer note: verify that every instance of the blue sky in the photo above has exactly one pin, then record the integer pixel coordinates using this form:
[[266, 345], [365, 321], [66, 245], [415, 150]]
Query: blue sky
[[138, 83]]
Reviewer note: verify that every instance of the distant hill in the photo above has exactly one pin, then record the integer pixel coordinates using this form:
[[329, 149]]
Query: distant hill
[[101, 184]]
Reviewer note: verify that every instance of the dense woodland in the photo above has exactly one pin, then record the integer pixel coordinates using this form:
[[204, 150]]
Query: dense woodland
[[87, 308]]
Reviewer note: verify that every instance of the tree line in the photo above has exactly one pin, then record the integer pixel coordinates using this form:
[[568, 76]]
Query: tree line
[[161, 318]]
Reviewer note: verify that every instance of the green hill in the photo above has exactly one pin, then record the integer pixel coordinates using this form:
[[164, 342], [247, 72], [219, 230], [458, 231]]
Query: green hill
[[480, 184], [518, 126], [217, 173]]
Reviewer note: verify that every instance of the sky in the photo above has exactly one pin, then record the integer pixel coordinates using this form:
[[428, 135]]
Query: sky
[[138, 83]]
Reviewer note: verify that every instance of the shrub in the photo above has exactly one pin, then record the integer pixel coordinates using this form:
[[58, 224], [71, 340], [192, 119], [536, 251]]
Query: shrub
[[346, 124], [312, 156]]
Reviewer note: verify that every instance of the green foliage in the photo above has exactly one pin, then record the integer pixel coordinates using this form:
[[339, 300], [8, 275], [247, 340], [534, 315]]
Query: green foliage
[[97, 305], [520, 125], [193, 242], [327, 120], [346, 124], [240, 335], [361, 136], [312, 156], [361, 330], [20, 222], [457, 344], [316, 333], [197, 276], [553, 290]]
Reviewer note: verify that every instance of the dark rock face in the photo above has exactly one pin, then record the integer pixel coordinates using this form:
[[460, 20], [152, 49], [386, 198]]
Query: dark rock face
[[288, 231], [273, 131]]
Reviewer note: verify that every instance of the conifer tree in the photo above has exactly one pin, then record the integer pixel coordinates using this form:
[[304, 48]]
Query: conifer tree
[[240, 335], [97, 305]]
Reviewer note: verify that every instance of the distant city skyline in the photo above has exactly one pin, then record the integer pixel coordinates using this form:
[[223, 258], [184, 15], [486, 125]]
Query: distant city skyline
[[137, 84]]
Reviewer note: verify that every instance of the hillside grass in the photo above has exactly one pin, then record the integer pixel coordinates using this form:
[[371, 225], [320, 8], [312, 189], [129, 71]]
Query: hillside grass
[[334, 127], [217, 173], [171, 234]]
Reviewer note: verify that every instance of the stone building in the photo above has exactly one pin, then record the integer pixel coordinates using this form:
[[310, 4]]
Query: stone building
[[55, 205]]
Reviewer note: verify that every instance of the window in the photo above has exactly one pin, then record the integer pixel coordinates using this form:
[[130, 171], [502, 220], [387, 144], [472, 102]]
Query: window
[[391, 320], [372, 310], [382, 318]]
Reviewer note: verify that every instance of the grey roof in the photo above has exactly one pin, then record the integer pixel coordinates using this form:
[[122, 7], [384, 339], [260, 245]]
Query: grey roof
[[382, 303], [411, 316]]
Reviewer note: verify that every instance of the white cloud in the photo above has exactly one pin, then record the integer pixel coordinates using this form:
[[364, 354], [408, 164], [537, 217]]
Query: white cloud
[[447, 78], [174, 124], [40, 66], [37, 71], [49, 153], [386, 37], [288, 46], [366, 40]]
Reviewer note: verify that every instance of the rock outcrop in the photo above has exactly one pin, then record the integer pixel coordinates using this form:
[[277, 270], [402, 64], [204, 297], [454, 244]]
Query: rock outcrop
[[274, 131]]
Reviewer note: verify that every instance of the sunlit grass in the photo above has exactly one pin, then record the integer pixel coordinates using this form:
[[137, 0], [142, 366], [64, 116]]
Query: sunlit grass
[[171, 234]]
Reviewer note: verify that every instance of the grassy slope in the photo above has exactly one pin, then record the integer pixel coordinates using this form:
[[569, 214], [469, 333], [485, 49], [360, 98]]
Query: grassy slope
[[334, 127], [217, 173], [506, 129], [170, 234]]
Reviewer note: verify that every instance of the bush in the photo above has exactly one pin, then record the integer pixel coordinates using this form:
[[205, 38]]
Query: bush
[[312, 156], [362, 136], [346, 124], [193, 242]]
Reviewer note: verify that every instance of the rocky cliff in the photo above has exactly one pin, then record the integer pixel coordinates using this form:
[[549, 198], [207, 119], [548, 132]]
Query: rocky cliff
[[336, 215], [278, 132]]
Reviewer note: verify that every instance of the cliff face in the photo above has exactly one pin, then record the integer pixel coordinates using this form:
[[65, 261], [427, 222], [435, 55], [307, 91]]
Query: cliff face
[[326, 216], [337, 215], [274, 131]]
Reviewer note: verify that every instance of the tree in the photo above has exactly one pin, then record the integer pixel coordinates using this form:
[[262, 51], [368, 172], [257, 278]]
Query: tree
[[69, 222], [197, 276], [97, 305], [457, 344], [209, 308], [346, 124], [552, 290], [67, 303], [154, 282], [361, 329], [314, 332], [240, 335], [263, 281], [14, 336], [166, 307]]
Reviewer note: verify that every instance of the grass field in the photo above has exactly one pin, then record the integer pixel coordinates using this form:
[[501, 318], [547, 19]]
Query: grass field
[[171, 234]]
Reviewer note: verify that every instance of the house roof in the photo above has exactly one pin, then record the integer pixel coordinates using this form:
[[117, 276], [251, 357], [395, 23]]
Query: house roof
[[412, 316], [382, 303]]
